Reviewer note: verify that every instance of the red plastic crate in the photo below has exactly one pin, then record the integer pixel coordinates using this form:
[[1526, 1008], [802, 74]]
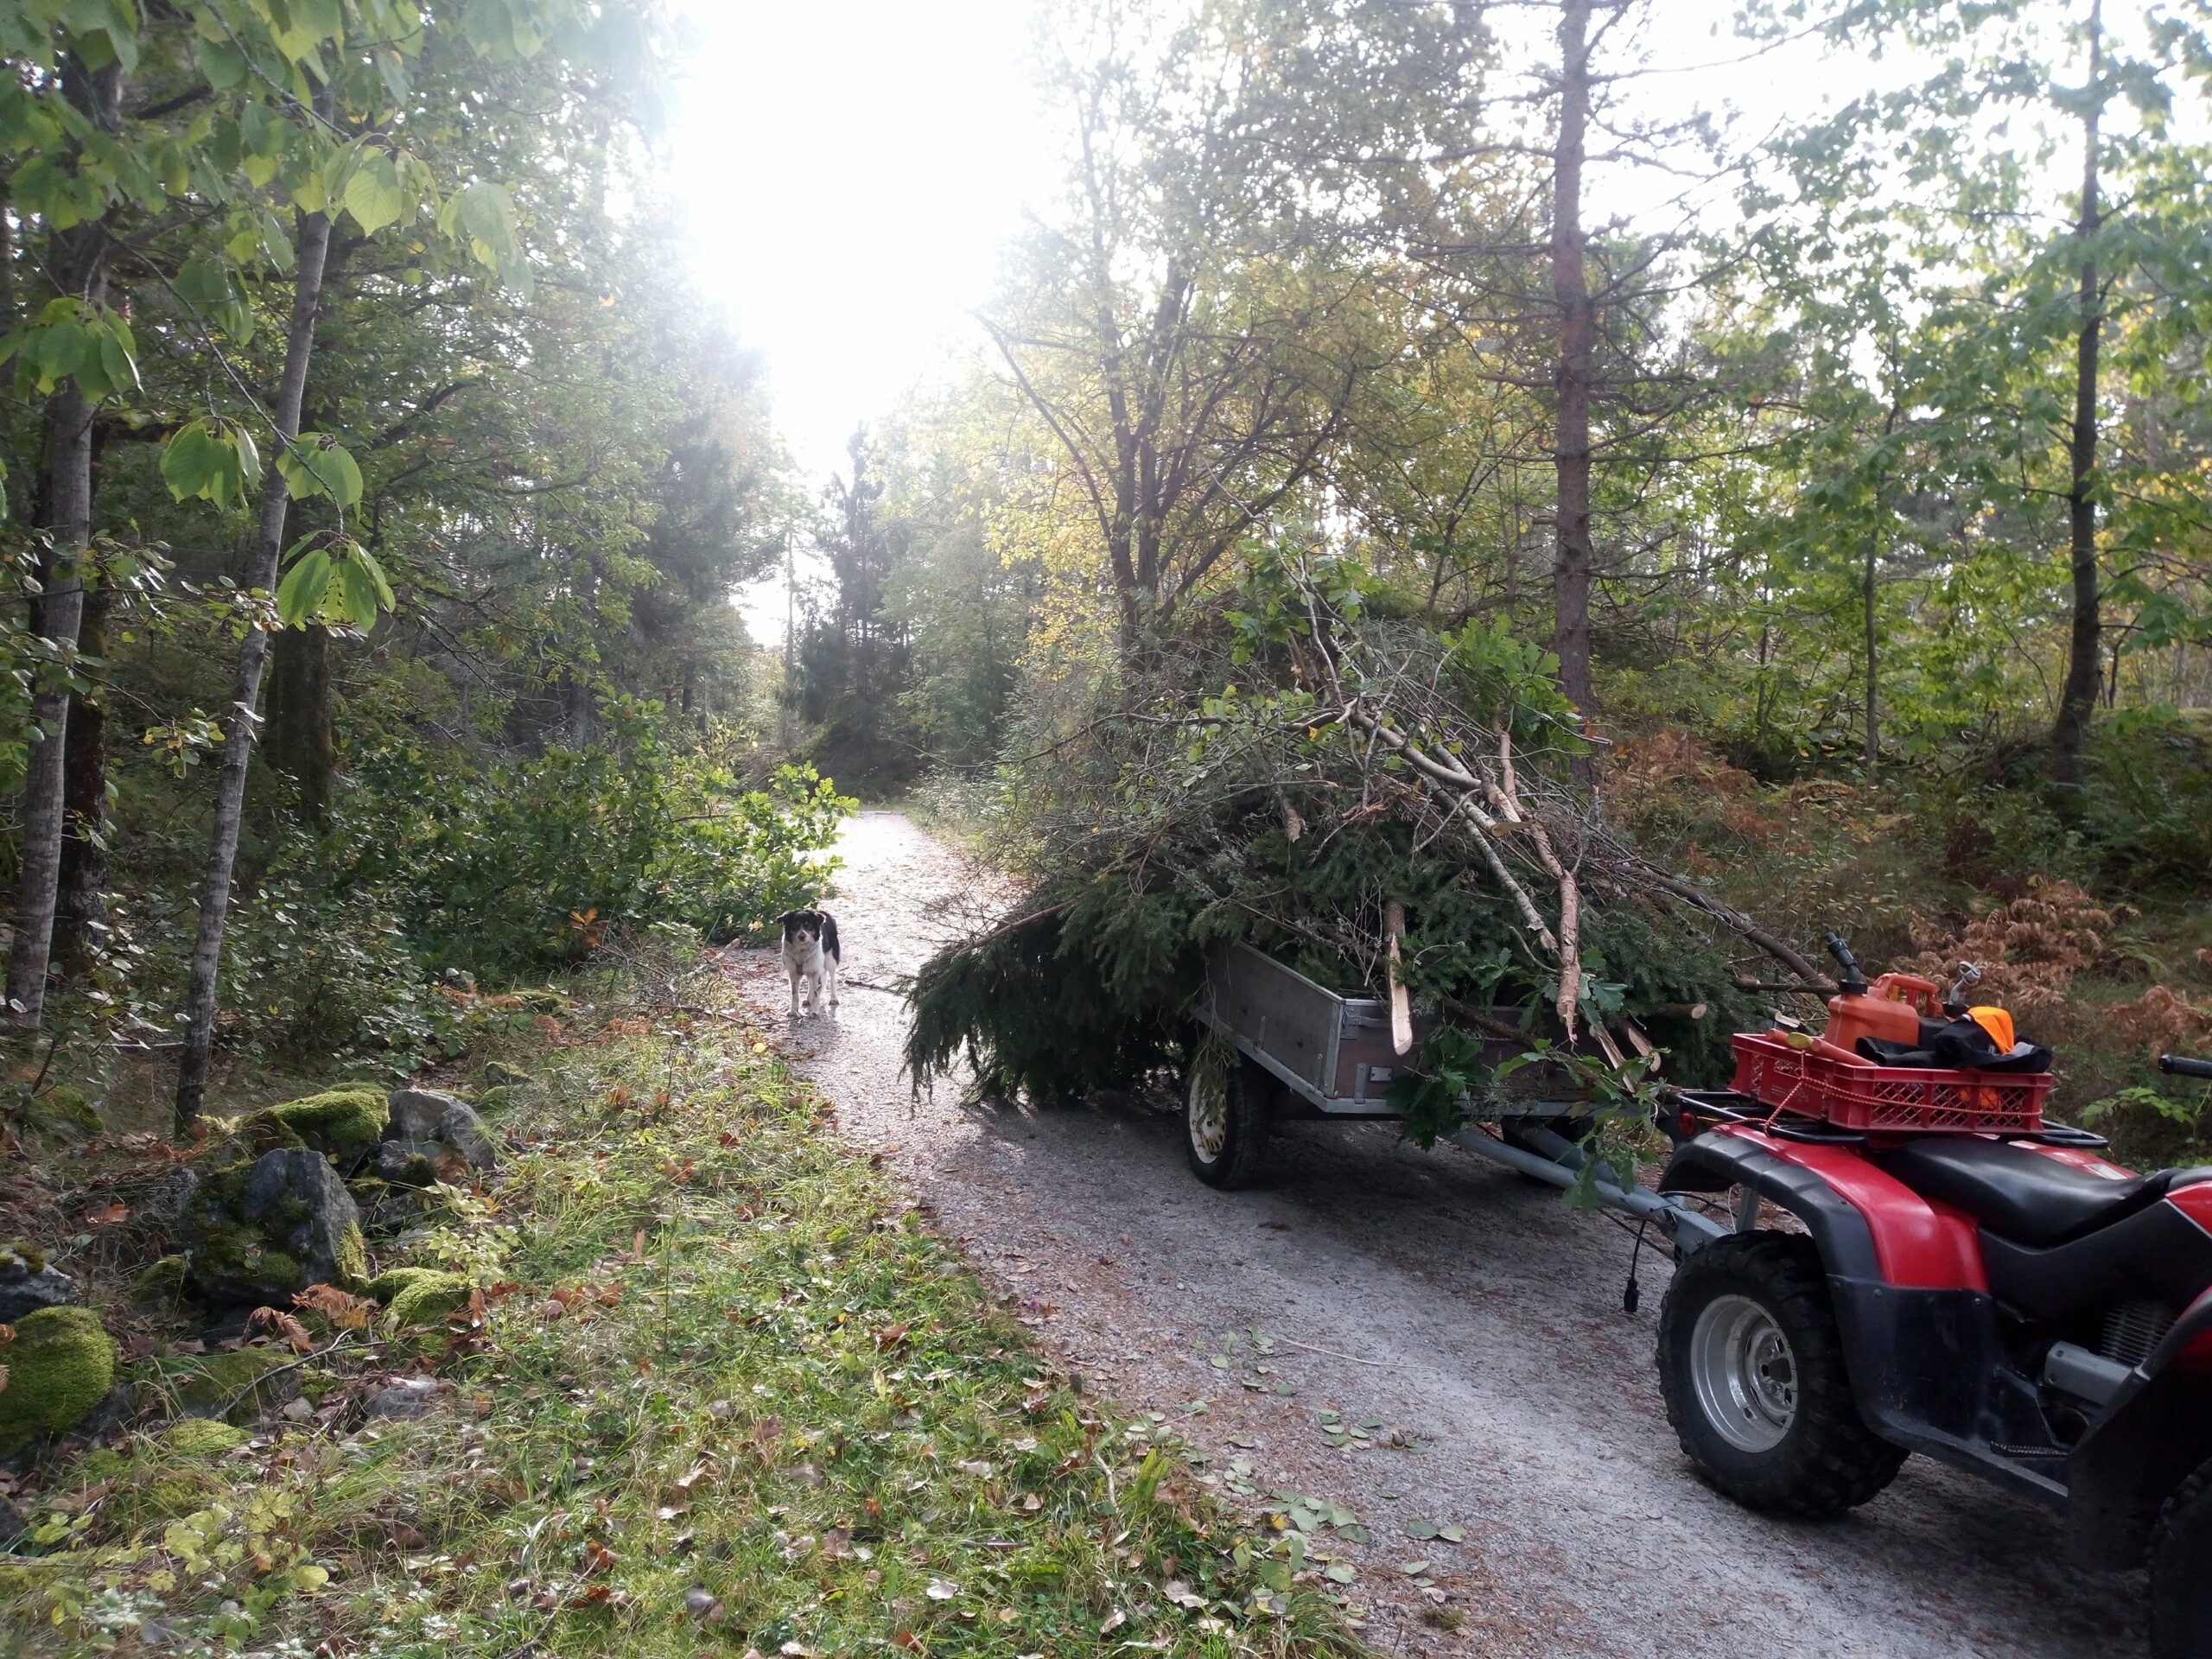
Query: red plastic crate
[[1888, 1099]]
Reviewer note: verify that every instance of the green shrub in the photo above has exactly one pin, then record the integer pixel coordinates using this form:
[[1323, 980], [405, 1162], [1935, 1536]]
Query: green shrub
[[2149, 816], [522, 865]]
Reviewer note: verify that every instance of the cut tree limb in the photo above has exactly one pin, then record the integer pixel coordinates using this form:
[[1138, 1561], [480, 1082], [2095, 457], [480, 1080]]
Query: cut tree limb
[[1401, 1010]]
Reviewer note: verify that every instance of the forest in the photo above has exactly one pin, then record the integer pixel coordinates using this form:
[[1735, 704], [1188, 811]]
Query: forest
[[1787, 519]]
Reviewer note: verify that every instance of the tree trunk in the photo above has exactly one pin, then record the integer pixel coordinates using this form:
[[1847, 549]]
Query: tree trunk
[[313, 239], [1873, 644], [1869, 579], [1570, 295], [2077, 704], [81, 905], [302, 742], [69, 517], [79, 268]]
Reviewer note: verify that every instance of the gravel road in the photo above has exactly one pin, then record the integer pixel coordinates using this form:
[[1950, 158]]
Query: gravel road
[[1462, 1311]]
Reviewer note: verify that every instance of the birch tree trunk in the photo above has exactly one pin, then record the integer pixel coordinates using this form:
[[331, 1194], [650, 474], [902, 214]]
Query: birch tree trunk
[[314, 237], [1571, 568], [79, 268]]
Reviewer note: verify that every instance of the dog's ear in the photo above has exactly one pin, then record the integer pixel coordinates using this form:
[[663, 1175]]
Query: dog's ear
[[785, 920]]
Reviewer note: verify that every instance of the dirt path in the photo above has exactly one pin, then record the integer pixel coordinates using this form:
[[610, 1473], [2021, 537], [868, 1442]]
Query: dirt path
[[1460, 1307]]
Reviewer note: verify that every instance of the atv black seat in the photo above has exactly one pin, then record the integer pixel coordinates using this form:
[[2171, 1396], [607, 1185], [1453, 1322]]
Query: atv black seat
[[2021, 1194]]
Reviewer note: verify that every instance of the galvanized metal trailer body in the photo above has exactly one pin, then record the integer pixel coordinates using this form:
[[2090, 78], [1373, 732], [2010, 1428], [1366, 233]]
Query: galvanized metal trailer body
[[1333, 1054]]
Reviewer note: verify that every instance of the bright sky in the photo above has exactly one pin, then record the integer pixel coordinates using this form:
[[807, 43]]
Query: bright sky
[[850, 168]]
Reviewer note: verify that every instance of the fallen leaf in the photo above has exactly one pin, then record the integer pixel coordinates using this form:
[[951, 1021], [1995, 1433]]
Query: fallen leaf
[[941, 1590]]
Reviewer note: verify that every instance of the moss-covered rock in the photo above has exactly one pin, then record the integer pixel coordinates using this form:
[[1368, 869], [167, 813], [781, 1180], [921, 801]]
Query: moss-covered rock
[[431, 1115], [408, 1163], [498, 1074], [389, 1283], [201, 1437], [258, 1233], [345, 1123], [426, 1298], [61, 1366], [235, 1387], [22, 1258], [160, 1284], [28, 1282]]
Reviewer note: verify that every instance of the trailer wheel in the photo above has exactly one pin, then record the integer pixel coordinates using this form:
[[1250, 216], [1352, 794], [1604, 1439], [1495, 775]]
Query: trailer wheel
[[2181, 1594], [1226, 1120], [1750, 1362]]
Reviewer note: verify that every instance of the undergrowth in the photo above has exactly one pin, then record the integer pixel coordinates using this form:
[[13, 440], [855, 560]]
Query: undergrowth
[[723, 1390]]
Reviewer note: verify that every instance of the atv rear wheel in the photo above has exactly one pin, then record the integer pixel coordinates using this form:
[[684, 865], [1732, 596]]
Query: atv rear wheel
[[2181, 1593], [1750, 1362], [1225, 1120]]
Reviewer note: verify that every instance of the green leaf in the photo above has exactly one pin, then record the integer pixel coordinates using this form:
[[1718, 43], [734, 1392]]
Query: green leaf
[[222, 63], [372, 194], [360, 590], [369, 563], [299, 596], [314, 465], [120, 368], [189, 462]]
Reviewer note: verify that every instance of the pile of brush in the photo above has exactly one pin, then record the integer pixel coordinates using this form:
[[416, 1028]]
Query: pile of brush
[[1380, 804]]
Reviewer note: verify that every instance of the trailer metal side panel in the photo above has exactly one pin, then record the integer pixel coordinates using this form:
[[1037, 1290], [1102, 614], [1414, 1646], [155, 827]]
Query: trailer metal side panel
[[1279, 1011]]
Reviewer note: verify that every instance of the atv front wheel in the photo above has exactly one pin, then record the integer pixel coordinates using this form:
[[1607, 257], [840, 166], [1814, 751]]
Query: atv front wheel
[[2181, 1593], [1225, 1120], [1750, 1362]]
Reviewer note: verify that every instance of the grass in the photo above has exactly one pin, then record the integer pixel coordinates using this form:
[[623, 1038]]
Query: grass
[[723, 1391]]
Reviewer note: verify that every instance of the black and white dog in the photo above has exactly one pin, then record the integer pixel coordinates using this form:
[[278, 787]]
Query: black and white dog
[[811, 956]]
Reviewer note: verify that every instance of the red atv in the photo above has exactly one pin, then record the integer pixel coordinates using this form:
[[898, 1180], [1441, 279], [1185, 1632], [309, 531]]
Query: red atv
[[1972, 1282]]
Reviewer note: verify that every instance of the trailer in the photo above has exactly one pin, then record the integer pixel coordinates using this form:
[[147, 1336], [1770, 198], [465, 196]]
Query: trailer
[[1303, 1049]]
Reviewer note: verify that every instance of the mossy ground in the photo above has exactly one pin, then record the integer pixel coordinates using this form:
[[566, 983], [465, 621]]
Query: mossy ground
[[728, 1393]]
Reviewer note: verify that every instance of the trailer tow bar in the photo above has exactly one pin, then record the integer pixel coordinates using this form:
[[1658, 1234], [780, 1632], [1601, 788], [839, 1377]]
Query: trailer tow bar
[[1555, 1159]]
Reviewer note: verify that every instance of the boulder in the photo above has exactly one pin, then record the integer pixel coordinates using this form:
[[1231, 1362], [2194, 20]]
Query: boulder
[[60, 1367], [430, 1115], [343, 1123], [417, 1114], [499, 1074], [28, 1283], [255, 1234], [408, 1163], [464, 1132]]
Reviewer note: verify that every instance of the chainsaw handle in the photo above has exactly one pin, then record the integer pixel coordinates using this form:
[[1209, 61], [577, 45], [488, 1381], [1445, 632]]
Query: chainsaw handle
[[1924, 994], [2180, 1065]]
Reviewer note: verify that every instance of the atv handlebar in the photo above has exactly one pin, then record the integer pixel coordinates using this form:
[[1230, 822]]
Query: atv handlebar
[[2180, 1065]]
